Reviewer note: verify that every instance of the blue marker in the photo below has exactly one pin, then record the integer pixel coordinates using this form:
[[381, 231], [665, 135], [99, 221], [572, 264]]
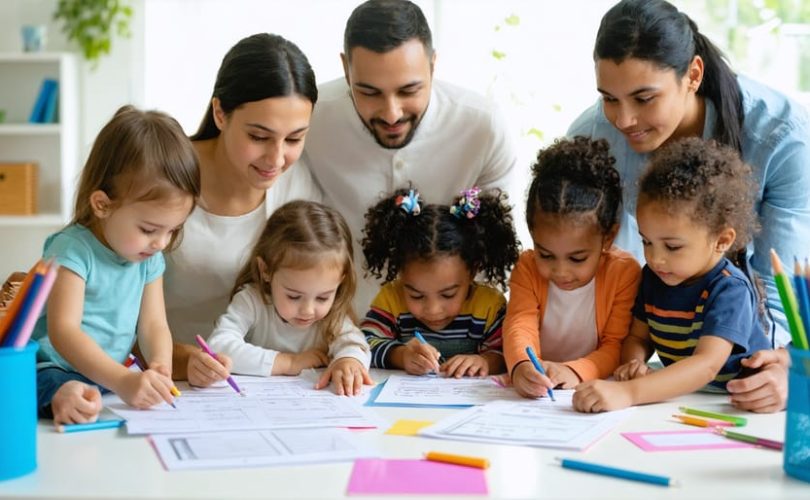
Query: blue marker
[[539, 367], [422, 341], [604, 470], [91, 426]]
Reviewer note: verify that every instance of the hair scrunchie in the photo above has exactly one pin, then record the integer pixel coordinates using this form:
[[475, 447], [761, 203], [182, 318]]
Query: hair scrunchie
[[468, 205], [409, 203]]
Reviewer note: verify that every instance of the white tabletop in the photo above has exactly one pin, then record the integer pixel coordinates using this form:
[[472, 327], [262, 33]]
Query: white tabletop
[[110, 464]]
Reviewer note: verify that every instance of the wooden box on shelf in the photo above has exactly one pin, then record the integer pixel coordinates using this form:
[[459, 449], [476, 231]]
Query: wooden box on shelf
[[18, 188]]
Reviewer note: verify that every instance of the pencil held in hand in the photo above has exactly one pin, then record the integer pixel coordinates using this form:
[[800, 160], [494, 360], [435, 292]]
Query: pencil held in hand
[[207, 350]]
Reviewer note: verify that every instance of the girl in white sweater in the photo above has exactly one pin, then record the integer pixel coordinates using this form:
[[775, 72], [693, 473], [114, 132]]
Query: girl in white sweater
[[291, 306]]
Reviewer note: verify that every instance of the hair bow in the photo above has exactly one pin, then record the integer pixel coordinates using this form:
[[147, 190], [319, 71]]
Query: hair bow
[[409, 203], [468, 205]]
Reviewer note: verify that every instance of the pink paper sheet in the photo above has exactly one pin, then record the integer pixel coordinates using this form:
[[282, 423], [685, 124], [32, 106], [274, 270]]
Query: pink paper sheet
[[376, 476], [682, 440]]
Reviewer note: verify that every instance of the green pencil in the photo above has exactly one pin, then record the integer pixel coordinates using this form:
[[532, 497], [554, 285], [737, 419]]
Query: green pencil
[[797, 333], [737, 421]]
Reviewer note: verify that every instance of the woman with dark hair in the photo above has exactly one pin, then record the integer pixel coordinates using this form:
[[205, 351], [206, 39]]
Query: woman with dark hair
[[252, 132], [660, 80]]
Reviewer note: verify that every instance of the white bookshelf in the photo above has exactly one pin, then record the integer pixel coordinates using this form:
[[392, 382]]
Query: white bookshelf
[[53, 146]]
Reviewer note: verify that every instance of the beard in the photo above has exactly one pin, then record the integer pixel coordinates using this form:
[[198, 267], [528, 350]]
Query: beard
[[397, 141]]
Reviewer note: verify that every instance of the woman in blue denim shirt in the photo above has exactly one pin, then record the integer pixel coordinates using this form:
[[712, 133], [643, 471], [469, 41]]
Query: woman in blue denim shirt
[[660, 80]]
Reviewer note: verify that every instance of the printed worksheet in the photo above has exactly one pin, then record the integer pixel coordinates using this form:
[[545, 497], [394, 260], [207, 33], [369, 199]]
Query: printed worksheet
[[542, 423], [270, 403], [220, 450], [431, 391]]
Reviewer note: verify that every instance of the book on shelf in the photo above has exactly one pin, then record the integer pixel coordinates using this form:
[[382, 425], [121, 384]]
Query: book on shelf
[[44, 110]]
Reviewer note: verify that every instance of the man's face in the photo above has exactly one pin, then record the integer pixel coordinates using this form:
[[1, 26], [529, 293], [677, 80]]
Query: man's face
[[391, 90]]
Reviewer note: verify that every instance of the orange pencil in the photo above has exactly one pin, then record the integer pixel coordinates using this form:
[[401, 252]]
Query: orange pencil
[[8, 319], [702, 422], [436, 456]]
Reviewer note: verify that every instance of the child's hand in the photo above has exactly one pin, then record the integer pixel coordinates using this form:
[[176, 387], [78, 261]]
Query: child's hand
[[348, 376], [419, 359], [76, 403], [471, 365], [143, 390], [561, 375], [530, 383], [601, 395], [203, 370], [312, 358], [634, 368]]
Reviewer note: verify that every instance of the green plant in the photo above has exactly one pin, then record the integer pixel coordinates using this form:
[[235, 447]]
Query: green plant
[[92, 23]]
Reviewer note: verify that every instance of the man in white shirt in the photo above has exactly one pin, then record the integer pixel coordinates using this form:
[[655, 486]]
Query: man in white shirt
[[388, 124]]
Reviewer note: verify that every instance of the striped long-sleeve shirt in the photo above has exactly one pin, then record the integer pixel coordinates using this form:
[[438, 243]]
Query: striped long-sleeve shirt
[[475, 330]]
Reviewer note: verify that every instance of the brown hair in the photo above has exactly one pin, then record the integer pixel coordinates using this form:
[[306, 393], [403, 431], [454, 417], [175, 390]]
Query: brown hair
[[138, 156], [298, 235]]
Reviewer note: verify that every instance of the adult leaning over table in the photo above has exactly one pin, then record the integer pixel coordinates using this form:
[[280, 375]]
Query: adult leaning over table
[[251, 134], [660, 79]]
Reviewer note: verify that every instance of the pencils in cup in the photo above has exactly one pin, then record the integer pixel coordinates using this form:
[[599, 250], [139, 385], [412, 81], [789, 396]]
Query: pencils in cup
[[538, 367], [605, 470]]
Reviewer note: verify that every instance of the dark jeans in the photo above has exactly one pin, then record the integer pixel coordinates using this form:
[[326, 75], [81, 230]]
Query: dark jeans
[[49, 380]]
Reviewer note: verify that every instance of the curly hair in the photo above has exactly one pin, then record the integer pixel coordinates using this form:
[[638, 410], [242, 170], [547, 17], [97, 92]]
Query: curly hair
[[706, 181], [576, 178], [486, 243]]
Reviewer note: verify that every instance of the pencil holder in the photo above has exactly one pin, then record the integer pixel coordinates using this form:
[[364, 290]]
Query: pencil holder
[[797, 428], [18, 392]]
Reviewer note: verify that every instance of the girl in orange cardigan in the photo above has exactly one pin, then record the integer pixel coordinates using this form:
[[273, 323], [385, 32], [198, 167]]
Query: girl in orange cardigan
[[571, 296]]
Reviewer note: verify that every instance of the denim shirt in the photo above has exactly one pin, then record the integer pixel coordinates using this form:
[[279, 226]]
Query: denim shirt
[[775, 136]]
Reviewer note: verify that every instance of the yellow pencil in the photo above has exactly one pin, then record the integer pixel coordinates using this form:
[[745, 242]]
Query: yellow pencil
[[436, 456]]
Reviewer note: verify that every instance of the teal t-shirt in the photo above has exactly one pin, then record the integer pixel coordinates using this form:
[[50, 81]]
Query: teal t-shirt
[[112, 292]]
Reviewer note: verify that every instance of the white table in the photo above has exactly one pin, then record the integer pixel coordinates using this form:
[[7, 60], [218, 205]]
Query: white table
[[110, 464]]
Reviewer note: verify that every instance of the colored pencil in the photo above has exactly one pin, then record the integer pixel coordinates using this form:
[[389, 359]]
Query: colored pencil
[[133, 360], [802, 295], [11, 313], [204, 347], [422, 341], [702, 422], [39, 301], [767, 443], [605, 470], [92, 426], [788, 299], [737, 421], [538, 367], [450, 458]]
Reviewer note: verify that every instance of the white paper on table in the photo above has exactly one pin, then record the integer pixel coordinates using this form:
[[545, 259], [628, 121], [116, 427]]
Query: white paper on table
[[432, 391], [221, 450], [542, 423], [271, 403]]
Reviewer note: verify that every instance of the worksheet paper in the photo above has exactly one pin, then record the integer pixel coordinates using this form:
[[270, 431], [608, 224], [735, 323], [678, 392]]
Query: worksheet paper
[[271, 403], [542, 423], [223, 450], [414, 390]]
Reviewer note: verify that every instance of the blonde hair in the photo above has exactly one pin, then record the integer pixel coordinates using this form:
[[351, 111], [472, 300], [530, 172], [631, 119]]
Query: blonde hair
[[138, 156], [297, 235]]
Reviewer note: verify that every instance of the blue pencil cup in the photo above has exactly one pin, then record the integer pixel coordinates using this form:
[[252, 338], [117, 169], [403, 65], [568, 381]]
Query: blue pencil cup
[[18, 393], [797, 428]]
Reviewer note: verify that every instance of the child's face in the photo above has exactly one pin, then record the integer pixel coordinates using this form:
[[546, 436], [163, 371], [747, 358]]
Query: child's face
[[304, 296], [567, 251], [261, 139], [436, 289], [137, 230], [677, 249]]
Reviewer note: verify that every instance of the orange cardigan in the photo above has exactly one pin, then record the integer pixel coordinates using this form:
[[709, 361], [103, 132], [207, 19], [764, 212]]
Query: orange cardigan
[[617, 280]]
